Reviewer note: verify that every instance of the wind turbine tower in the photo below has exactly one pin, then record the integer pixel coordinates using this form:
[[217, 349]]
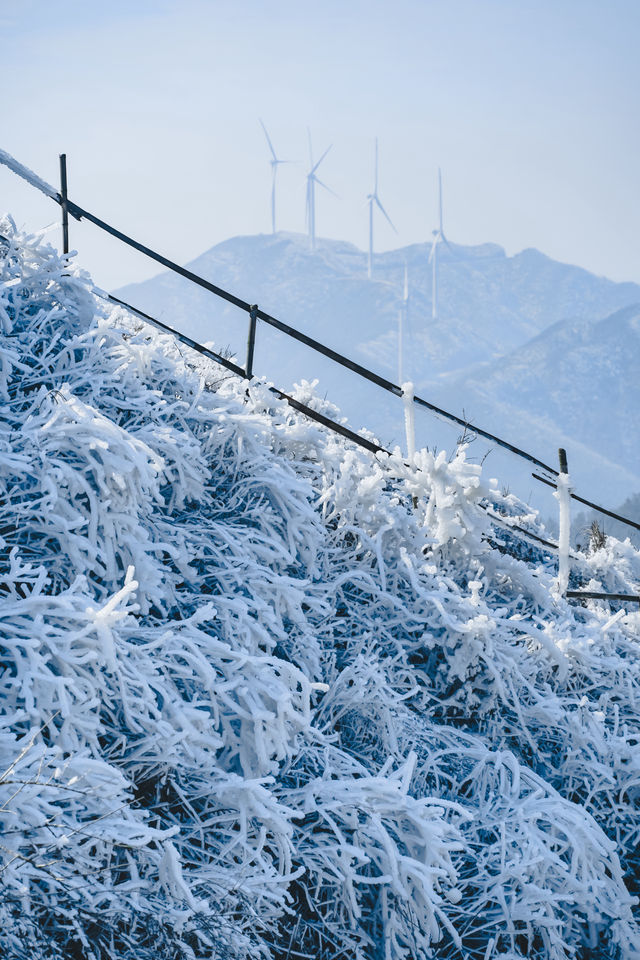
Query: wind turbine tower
[[438, 237], [312, 179], [374, 200], [275, 162]]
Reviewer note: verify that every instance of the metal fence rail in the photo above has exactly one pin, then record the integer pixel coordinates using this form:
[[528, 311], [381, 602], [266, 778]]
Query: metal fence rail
[[239, 371], [255, 314], [507, 523]]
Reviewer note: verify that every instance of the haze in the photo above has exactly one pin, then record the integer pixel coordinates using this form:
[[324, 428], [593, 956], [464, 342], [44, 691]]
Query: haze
[[529, 108]]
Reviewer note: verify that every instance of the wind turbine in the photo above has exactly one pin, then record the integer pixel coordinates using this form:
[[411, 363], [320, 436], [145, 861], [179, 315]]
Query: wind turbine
[[312, 179], [275, 161], [438, 237], [374, 200]]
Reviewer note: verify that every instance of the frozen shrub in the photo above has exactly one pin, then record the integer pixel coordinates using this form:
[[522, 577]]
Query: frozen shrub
[[263, 695]]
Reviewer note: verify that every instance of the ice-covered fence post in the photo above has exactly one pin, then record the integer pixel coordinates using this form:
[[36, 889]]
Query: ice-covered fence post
[[63, 203], [410, 428], [563, 495], [409, 420], [251, 339]]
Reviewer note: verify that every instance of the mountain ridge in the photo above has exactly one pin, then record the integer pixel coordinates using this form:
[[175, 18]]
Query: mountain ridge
[[253, 268], [581, 375]]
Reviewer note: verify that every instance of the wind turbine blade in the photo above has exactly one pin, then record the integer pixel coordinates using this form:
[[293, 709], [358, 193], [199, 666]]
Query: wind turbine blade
[[321, 184], [440, 198], [436, 240], [322, 158], [463, 262], [385, 214], [273, 153], [453, 252], [405, 295]]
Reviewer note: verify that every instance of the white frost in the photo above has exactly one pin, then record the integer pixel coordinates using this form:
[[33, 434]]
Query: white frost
[[28, 175], [409, 420], [259, 688]]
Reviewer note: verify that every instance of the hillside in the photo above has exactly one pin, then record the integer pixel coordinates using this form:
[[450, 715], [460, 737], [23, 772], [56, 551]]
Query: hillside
[[581, 375], [264, 696], [576, 384]]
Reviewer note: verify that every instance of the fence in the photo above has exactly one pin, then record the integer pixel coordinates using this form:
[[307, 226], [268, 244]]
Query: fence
[[69, 208]]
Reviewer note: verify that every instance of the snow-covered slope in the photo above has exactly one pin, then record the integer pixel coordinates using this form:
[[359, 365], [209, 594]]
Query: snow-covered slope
[[257, 704]]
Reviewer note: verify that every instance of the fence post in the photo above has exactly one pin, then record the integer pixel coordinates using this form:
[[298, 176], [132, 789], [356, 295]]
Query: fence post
[[409, 421], [251, 339], [63, 203], [563, 495]]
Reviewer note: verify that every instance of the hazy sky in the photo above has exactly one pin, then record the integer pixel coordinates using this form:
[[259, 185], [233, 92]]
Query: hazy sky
[[531, 110]]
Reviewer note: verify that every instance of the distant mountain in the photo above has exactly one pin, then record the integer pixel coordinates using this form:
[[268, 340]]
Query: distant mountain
[[576, 383], [489, 303], [519, 344]]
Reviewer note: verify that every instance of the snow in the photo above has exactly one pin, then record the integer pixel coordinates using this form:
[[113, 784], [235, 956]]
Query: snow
[[8, 161], [255, 703], [409, 419]]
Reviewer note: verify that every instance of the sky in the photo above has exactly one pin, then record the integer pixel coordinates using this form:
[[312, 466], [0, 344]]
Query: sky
[[529, 108]]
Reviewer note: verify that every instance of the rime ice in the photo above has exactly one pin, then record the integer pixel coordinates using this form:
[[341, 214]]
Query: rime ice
[[253, 700]]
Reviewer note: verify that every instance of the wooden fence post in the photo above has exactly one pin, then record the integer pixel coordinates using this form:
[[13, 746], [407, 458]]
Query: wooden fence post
[[251, 340], [63, 203], [562, 458], [563, 494]]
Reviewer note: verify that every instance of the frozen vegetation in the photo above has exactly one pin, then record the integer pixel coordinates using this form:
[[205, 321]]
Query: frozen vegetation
[[256, 704]]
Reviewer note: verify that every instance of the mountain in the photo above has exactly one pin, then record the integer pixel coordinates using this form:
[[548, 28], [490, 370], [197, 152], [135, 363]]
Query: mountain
[[488, 303], [264, 695], [576, 384], [493, 309]]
